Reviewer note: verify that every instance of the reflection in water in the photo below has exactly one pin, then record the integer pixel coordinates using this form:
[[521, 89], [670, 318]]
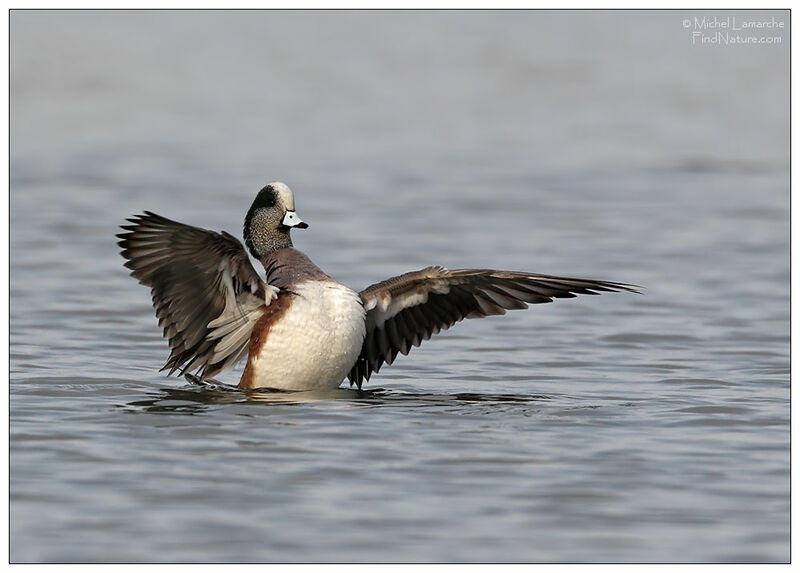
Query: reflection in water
[[181, 401], [200, 395]]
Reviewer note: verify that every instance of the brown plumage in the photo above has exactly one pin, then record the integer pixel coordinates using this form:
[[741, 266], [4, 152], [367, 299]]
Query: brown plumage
[[261, 331]]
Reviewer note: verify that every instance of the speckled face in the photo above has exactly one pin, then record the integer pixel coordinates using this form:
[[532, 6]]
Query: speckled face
[[271, 216]]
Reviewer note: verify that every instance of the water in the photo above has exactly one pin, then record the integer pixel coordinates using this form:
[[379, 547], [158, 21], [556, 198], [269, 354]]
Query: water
[[597, 144]]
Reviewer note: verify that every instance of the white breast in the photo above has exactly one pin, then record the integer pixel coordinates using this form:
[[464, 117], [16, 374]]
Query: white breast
[[315, 342]]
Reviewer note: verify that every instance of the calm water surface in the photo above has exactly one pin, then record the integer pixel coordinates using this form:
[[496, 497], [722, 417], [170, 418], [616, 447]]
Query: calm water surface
[[605, 145]]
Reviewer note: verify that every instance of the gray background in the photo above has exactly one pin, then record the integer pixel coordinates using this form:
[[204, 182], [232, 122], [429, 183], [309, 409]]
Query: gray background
[[596, 144]]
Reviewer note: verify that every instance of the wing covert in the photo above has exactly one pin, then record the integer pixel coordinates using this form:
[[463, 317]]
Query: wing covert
[[405, 310]]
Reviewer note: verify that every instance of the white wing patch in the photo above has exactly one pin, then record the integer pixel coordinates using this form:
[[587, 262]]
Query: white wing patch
[[233, 327], [388, 306]]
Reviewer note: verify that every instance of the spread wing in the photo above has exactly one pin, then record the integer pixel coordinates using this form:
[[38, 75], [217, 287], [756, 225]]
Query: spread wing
[[206, 293], [405, 310]]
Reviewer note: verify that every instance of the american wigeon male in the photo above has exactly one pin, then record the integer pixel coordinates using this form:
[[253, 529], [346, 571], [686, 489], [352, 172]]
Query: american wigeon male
[[300, 329]]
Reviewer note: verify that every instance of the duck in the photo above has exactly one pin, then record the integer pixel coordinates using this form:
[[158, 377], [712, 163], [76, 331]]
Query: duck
[[298, 328]]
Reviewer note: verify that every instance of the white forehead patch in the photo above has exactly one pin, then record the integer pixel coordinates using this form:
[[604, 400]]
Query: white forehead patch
[[285, 195]]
